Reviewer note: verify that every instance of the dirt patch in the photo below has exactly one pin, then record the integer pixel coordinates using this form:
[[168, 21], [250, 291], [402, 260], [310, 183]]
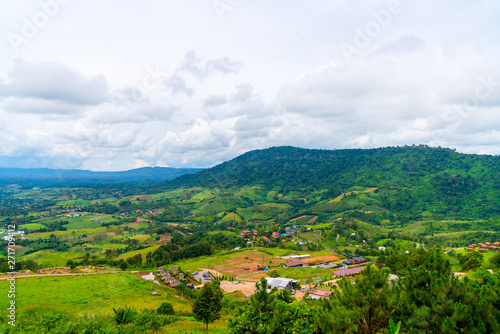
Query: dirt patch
[[247, 289], [321, 259]]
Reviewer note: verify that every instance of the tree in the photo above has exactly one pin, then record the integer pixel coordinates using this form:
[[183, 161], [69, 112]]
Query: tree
[[433, 300], [208, 305], [70, 264], [471, 261], [364, 307], [123, 266], [273, 312], [274, 273], [165, 308], [495, 260]]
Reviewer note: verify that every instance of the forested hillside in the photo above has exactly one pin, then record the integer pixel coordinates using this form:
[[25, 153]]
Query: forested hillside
[[415, 179]]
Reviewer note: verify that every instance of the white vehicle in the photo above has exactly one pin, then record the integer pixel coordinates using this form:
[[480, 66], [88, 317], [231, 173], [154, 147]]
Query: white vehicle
[[235, 282]]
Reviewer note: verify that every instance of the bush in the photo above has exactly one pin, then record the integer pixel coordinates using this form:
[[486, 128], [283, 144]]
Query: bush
[[123, 315], [165, 308]]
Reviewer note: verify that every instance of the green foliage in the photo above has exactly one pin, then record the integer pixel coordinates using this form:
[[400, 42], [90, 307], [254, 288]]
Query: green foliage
[[123, 266], [471, 261], [274, 273], [495, 260], [394, 329], [165, 308], [432, 300], [364, 307], [123, 315], [208, 305], [274, 312]]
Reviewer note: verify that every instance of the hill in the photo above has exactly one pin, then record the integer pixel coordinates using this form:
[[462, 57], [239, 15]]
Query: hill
[[412, 179]]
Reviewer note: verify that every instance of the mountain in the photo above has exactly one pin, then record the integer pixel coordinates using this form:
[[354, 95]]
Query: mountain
[[412, 179], [73, 177]]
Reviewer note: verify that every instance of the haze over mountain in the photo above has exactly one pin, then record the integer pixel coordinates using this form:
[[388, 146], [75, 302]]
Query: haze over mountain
[[73, 177]]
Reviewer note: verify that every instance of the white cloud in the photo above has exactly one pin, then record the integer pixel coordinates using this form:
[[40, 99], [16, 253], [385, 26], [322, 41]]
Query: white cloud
[[85, 96]]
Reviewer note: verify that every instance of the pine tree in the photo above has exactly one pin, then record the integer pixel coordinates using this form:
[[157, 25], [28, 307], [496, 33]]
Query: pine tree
[[208, 305], [363, 307]]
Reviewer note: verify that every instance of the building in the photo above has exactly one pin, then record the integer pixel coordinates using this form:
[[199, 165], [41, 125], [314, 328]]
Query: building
[[347, 272], [275, 235], [300, 257], [294, 263], [328, 265], [245, 234], [318, 294], [381, 248], [266, 240], [280, 283]]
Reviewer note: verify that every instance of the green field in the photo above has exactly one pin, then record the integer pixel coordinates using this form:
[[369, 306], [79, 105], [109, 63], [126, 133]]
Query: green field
[[34, 226], [96, 294]]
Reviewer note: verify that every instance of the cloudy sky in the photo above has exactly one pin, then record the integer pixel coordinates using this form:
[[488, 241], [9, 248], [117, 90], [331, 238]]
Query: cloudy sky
[[115, 85]]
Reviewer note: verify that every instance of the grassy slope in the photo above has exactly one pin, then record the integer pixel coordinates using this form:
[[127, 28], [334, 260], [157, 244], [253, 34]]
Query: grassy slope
[[96, 294]]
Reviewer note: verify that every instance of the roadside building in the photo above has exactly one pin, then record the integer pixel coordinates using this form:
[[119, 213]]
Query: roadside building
[[245, 234], [280, 283], [347, 272], [300, 257], [294, 263], [328, 265], [318, 294]]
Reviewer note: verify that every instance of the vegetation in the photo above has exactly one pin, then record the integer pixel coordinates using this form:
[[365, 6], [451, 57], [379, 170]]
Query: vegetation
[[208, 305], [398, 207]]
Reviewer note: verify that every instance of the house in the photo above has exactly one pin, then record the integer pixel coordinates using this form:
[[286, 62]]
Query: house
[[358, 259], [381, 248], [181, 276], [294, 263], [280, 283], [174, 270], [497, 244], [245, 234], [255, 233], [318, 294], [266, 240], [288, 230], [328, 265], [347, 272], [300, 257], [174, 283], [275, 235]]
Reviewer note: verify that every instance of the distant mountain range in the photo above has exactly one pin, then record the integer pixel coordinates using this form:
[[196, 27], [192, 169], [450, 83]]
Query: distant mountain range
[[72, 177]]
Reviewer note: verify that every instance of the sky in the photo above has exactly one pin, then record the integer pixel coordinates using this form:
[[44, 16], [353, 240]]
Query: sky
[[115, 85]]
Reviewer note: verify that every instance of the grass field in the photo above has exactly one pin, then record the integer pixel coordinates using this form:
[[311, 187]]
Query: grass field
[[52, 257], [90, 294], [70, 232], [31, 227], [143, 252]]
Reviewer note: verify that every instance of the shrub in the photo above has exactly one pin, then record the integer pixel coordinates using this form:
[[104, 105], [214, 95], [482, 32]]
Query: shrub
[[165, 308]]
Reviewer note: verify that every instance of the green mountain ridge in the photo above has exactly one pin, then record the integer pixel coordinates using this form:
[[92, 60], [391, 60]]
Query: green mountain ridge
[[415, 180]]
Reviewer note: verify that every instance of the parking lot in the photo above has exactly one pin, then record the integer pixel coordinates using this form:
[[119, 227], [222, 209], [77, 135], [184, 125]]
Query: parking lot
[[200, 277]]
